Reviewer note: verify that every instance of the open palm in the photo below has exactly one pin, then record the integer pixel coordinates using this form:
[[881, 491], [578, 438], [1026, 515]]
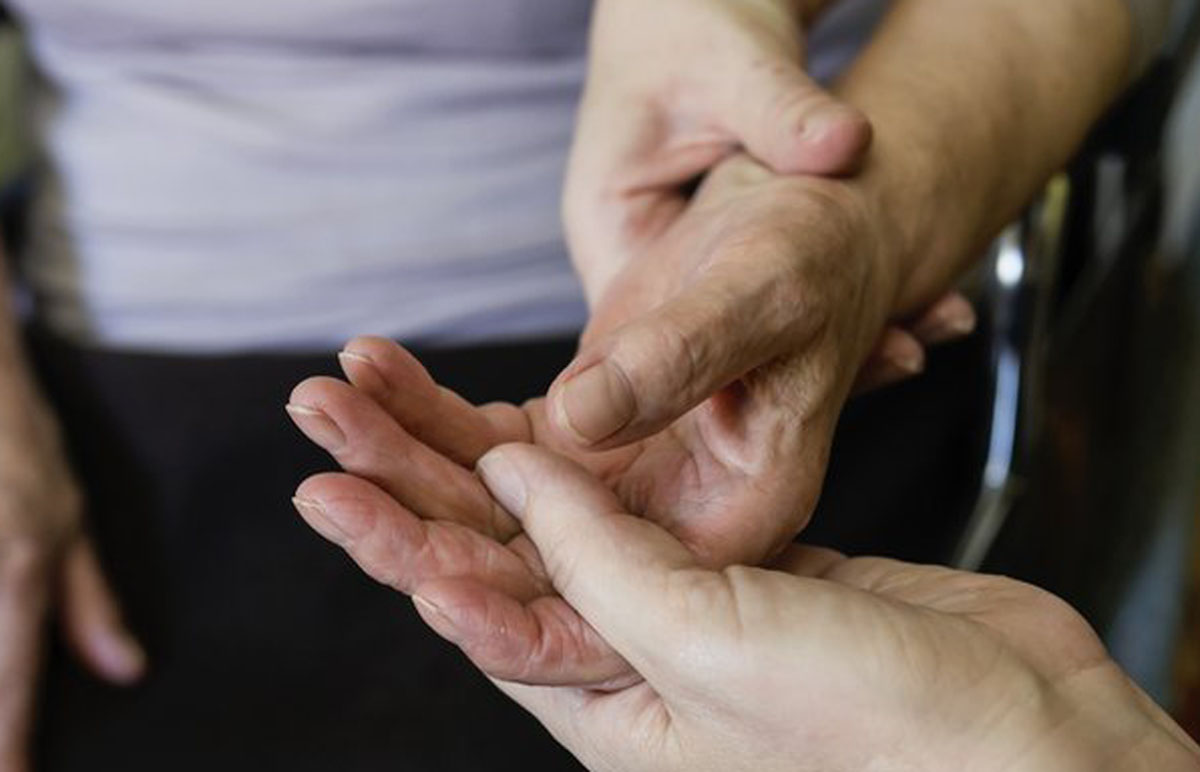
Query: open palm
[[734, 479], [418, 513]]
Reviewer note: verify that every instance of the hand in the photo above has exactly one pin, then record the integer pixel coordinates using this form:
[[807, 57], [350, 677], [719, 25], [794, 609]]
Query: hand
[[656, 118], [825, 663], [729, 350], [676, 86], [789, 262], [899, 354], [46, 560]]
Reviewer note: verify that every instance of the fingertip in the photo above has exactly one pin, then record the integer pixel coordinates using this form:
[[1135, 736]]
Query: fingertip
[[91, 620], [435, 616], [339, 506], [366, 345], [322, 485], [905, 355], [315, 391], [952, 318], [352, 363], [593, 405], [387, 356], [316, 516], [118, 658], [504, 479], [832, 140], [537, 486], [897, 357]]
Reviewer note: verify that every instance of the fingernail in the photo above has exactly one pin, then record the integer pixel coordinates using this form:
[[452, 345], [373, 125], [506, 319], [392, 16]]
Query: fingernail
[[595, 404], [818, 126], [315, 515], [317, 425], [436, 618], [952, 328], [353, 356], [363, 372], [504, 482]]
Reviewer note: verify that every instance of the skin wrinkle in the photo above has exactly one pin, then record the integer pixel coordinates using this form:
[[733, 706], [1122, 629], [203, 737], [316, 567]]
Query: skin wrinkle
[[1064, 731], [654, 730], [545, 647], [894, 587], [550, 648], [524, 549], [444, 553], [1055, 712], [498, 643], [702, 602], [1044, 704], [747, 474]]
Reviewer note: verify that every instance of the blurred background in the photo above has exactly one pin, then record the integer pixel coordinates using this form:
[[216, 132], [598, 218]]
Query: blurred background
[[1100, 500], [1089, 438]]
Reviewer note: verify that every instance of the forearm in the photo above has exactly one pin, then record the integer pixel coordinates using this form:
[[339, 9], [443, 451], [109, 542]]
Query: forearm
[[975, 104]]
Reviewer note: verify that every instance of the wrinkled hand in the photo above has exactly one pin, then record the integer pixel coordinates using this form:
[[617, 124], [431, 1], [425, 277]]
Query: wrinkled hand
[[786, 294], [46, 561], [674, 88], [725, 355], [823, 663]]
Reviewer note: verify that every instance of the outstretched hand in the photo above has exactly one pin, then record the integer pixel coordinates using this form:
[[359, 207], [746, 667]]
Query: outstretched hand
[[411, 510]]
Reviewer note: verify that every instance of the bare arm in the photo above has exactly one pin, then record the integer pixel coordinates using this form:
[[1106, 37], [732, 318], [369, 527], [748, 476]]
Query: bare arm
[[974, 106]]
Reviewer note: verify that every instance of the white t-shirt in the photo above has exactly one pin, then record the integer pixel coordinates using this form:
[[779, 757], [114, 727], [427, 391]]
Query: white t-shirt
[[272, 174]]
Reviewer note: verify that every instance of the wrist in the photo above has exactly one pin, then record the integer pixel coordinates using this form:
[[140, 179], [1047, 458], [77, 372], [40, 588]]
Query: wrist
[[922, 233], [883, 238], [863, 234]]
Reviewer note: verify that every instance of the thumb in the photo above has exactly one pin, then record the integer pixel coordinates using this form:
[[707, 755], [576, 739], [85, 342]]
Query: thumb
[[650, 371], [793, 125], [615, 569], [92, 621]]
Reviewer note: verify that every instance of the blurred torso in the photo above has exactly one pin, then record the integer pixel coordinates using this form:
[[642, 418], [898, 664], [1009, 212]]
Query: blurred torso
[[270, 174]]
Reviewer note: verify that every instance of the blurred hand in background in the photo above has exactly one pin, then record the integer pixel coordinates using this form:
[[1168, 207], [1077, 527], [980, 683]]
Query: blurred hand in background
[[46, 563]]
